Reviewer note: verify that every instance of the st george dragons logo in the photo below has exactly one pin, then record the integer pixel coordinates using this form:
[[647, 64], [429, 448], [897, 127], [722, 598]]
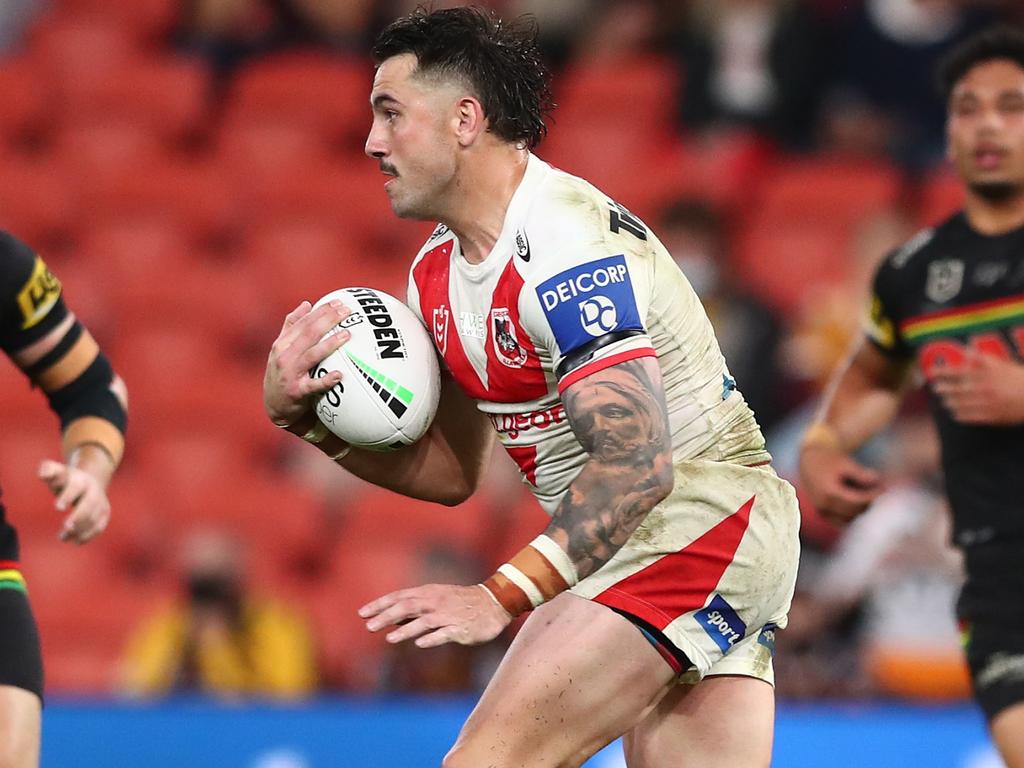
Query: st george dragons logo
[[503, 335]]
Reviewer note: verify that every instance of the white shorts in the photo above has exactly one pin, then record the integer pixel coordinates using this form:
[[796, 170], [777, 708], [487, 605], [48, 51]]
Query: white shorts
[[711, 570]]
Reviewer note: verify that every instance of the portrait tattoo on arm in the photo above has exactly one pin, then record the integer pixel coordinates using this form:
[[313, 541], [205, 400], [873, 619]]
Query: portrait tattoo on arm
[[620, 418]]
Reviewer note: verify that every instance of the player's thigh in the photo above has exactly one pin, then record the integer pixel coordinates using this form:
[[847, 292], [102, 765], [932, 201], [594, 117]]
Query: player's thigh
[[576, 677], [1008, 733], [20, 714], [21, 679], [722, 720]]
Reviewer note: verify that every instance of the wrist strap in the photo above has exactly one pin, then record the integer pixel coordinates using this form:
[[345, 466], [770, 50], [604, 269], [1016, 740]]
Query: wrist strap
[[540, 571], [341, 454], [821, 433], [316, 434]]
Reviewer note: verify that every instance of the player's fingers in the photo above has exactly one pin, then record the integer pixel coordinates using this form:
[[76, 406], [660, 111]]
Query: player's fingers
[[76, 487], [317, 385], [375, 607], [401, 612], [860, 476], [299, 332], [413, 629], [313, 326], [322, 349], [53, 473], [438, 637], [292, 317]]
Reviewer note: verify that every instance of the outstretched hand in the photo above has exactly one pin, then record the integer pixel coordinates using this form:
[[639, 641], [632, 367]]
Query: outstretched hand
[[985, 390], [81, 492], [436, 614]]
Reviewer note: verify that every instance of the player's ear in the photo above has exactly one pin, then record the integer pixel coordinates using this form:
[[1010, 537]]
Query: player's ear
[[470, 121]]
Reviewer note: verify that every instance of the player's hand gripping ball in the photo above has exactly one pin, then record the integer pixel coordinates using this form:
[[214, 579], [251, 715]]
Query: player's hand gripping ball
[[390, 382]]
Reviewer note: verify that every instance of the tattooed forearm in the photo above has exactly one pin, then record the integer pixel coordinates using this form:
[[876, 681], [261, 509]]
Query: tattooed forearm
[[620, 419]]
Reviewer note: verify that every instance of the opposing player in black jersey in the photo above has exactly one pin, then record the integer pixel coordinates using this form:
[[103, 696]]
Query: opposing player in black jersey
[[44, 339], [951, 301]]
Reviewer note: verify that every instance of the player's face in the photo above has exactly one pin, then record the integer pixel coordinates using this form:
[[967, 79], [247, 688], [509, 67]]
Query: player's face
[[985, 128], [410, 138], [617, 427]]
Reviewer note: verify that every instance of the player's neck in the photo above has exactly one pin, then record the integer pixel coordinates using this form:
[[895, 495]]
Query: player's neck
[[994, 218], [485, 191]]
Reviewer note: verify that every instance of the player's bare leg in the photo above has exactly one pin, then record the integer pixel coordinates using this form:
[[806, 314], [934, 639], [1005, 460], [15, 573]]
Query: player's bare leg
[[727, 720], [1008, 734], [20, 715], [576, 677]]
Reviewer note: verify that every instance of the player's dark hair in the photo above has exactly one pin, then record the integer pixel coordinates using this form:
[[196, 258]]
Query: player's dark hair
[[999, 42], [500, 60]]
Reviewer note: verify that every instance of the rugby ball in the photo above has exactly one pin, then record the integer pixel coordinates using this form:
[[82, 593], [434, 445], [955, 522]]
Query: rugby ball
[[390, 381]]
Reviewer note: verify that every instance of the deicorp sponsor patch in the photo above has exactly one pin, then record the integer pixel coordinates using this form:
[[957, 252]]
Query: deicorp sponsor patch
[[588, 301], [721, 623]]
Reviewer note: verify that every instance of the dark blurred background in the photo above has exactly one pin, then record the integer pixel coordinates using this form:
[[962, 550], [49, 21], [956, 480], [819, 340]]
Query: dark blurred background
[[192, 170]]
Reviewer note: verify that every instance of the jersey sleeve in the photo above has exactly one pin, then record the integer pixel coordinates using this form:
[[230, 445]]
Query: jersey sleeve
[[883, 314], [30, 296], [587, 305]]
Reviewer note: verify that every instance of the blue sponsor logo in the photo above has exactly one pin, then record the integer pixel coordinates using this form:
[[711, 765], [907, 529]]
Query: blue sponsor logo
[[767, 637], [721, 623], [588, 301]]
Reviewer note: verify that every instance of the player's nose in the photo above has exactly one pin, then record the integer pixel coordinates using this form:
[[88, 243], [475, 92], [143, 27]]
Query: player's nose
[[375, 146]]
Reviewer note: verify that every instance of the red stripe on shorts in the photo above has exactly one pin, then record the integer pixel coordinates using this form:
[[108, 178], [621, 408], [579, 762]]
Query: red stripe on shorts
[[681, 581]]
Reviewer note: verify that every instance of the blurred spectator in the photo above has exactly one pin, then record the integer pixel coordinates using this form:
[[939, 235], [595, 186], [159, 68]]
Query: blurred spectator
[[751, 65], [615, 31], [748, 333], [896, 573], [450, 668], [218, 639], [15, 17], [884, 100], [228, 32], [830, 315]]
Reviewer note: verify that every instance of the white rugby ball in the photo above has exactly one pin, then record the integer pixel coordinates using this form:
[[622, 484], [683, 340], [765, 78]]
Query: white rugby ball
[[390, 382]]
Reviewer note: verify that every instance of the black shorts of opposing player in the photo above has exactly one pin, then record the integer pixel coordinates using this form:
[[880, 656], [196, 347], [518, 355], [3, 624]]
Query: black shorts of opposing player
[[21, 662], [991, 611]]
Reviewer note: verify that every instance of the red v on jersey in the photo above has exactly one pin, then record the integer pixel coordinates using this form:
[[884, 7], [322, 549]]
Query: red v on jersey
[[513, 370]]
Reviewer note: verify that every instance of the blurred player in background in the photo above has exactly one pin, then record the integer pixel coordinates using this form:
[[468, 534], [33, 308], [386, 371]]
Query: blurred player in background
[[45, 340], [952, 299], [672, 550]]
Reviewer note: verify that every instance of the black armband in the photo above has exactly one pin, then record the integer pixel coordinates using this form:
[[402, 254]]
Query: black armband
[[584, 354], [90, 395]]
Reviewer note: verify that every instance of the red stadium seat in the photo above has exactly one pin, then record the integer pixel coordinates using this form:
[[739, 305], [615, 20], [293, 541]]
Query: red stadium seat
[[639, 94], [825, 192], [263, 149], [147, 21], [350, 654], [379, 515], [93, 155], [28, 105], [781, 260], [37, 203], [165, 96], [192, 195], [328, 93], [77, 52]]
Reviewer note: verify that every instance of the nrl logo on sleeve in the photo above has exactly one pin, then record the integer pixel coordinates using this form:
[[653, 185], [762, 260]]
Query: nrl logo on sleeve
[[506, 345], [440, 326], [945, 278]]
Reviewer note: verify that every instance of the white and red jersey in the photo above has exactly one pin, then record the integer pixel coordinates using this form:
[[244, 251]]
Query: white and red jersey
[[574, 284]]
